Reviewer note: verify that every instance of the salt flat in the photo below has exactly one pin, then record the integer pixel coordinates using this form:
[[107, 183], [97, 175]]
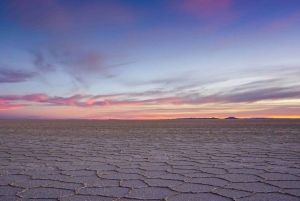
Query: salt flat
[[150, 160]]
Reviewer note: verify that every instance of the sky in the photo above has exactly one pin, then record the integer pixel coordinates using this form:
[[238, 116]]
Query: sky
[[158, 59]]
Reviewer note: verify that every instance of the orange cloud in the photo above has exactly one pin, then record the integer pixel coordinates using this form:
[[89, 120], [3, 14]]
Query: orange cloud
[[10, 76]]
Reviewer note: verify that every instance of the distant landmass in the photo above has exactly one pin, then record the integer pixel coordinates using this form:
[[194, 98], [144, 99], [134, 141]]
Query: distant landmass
[[224, 118], [199, 118], [231, 118]]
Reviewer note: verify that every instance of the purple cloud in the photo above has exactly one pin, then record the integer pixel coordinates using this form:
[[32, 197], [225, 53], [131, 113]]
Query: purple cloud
[[205, 8], [213, 14], [41, 64], [283, 24], [11, 76], [80, 63], [58, 16], [263, 94]]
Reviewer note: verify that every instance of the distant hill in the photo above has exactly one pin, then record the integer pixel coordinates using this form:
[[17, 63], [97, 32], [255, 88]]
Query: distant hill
[[231, 118]]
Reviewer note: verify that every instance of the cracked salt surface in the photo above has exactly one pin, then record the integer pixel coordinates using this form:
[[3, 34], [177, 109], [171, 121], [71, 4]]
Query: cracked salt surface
[[150, 160]]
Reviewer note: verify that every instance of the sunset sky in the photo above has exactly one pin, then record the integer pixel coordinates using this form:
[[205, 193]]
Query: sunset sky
[[156, 59]]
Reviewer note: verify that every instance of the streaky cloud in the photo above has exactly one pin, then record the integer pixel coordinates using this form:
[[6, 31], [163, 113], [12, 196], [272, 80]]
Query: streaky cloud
[[274, 93], [125, 100], [78, 62], [12, 76], [5, 105]]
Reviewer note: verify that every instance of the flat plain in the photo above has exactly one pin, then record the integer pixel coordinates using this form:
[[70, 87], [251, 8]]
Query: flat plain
[[174, 160]]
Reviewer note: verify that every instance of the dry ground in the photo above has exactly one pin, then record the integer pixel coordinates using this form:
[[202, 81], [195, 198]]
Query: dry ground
[[150, 160]]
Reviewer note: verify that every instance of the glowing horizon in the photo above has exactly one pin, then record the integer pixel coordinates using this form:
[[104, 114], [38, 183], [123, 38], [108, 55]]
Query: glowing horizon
[[134, 59]]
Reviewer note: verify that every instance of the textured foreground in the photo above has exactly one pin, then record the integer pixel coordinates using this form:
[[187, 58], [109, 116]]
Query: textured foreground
[[150, 160]]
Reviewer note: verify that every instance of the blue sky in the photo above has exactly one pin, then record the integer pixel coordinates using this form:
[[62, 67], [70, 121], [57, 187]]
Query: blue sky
[[149, 59]]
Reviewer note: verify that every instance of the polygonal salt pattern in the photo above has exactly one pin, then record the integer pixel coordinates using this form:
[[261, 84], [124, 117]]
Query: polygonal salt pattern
[[150, 160]]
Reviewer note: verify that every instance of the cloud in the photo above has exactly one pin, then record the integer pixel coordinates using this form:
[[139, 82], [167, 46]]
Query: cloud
[[180, 82], [84, 63], [12, 76], [125, 100], [275, 93], [4, 105], [39, 14], [283, 24], [68, 22], [272, 87], [43, 98], [163, 81], [213, 14], [53, 15], [260, 84], [261, 29], [40, 62], [80, 63], [205, 8]]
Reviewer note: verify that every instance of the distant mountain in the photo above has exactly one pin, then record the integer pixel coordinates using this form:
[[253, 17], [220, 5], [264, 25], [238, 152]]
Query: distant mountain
[[231, 118]]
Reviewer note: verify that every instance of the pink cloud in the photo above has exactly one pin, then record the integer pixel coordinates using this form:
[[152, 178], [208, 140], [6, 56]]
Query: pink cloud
[[35, 97], [4, 105]]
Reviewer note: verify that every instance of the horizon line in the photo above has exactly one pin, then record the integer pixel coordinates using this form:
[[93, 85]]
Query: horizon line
[[145, 119]]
